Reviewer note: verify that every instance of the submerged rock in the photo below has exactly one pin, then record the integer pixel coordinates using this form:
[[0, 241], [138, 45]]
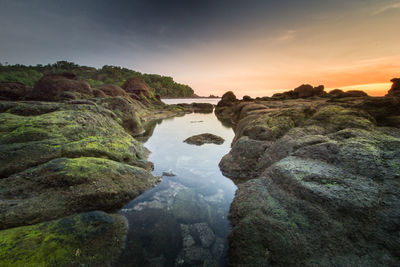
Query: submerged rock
[[205, 138]]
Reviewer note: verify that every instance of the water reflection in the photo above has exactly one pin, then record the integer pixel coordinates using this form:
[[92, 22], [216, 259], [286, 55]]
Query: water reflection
[[183, 220]]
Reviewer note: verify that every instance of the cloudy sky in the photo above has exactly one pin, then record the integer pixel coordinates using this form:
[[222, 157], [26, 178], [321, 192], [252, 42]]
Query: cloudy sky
[[252, 47]]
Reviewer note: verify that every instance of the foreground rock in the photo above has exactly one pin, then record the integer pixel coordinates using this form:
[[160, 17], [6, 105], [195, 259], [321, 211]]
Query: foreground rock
[[319, 183], [205, 138], [74, 157], [89, 239]]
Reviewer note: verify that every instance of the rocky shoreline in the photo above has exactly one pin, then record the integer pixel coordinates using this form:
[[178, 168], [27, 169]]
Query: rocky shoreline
[[68, 155], [318, 178]]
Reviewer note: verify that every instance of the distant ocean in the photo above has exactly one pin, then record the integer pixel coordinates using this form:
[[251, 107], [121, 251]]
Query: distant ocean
[[171, 101]]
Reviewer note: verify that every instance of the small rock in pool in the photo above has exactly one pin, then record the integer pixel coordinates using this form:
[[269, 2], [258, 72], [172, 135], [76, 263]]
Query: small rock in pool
[[195, 121], [169, 173], [201, 139]]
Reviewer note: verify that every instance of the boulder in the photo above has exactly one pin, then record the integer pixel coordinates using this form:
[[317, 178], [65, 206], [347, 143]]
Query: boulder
[[13, 90], [247, 98], [137, 88], [51, 87], [395, 89], [351, 93], [205, 138], [306, 90], [228, 99], [336, 92], [112, 90], [99, 93]]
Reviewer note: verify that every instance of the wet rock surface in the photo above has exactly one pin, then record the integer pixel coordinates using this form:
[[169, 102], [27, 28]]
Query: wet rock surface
[[187, 227], [318, 182], [205, 138]]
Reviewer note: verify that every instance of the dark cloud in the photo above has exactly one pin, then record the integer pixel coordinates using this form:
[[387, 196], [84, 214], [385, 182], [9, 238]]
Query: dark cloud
[[93, 31]]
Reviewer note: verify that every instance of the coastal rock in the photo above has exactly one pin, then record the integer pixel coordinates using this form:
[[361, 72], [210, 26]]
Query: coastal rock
[[13, 91], [98, 93], [65, 186], [228, 99], [198, 107], [169, 173], [318, 185], [112, 90], [205, 138], [395, 89], [303, 91], [202, 107], [51, 87], [94, 238], [136, 88], [67, 158], [351, 93], [307, 90], [126, 112]]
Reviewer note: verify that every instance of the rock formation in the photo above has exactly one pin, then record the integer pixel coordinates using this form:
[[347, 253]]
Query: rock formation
[[395, 90], [13, 91], [205, 138], [54, 87], [66, 161], [318, 182]]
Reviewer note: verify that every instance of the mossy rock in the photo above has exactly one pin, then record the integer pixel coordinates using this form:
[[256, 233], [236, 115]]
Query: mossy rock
[[336, 118], [88, 239], [70, 131], [65, 186]]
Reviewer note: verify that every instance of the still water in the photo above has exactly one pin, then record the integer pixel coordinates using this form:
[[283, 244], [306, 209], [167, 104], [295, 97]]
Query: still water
[[172, 101], [183, 220]]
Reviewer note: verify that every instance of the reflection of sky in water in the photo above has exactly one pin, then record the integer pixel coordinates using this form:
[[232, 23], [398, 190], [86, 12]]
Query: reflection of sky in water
[[189, 209]]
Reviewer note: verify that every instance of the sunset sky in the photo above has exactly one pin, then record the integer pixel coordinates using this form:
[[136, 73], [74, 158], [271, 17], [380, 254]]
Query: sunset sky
[[251, 47]]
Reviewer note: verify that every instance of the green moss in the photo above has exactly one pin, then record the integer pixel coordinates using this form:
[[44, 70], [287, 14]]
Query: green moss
[[87, 239], [336, 118]]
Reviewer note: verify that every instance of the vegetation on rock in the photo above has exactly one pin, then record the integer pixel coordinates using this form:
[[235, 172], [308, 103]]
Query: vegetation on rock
[[318, 180], [30, 75]]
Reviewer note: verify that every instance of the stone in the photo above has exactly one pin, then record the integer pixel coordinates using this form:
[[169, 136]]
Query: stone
[[112, 90], [65, 158], [93, 238], [316, 184], [204, 233], [50, 88], [205, 138], [13, 91], [395, 89]]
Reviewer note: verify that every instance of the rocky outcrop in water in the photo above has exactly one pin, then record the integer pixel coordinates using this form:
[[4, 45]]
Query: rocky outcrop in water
[[205, 138], [318, 182]]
